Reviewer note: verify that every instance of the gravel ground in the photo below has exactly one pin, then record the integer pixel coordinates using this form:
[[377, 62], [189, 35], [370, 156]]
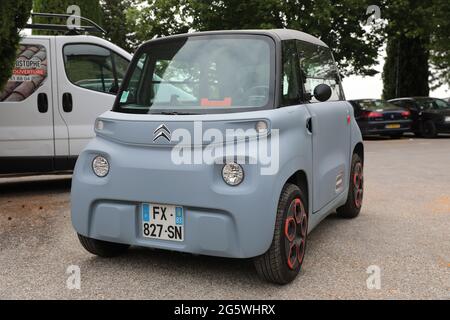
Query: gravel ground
[[404, 229]]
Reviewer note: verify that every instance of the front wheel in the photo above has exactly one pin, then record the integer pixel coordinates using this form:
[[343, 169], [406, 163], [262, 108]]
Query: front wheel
[[102, 248], [353, 205], [284, 259]]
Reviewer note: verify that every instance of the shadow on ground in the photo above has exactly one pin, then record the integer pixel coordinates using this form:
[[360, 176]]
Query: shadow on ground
[[36, 186]]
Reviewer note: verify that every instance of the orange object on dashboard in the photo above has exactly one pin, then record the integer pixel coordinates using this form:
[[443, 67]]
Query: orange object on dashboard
[[205, 102]]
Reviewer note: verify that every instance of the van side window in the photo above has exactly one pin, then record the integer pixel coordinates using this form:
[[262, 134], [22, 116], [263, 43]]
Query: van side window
[[317, 66], [290, 81], [94, 67]]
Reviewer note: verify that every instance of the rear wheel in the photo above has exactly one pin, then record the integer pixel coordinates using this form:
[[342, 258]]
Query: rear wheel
[[102, 248], [428, 129], [283, 261], [353, 205]]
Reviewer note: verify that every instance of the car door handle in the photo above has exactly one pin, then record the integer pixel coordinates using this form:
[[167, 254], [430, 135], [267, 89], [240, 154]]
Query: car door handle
[[309, 125], [67, 102], [42, 102]]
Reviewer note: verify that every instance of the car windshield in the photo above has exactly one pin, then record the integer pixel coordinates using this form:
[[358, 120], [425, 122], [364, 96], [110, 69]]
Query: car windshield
[[430, 103], [201, 74], [373, 105]]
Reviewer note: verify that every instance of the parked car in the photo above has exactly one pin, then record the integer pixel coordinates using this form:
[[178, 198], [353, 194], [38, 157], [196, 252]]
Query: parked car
[[59, 86], [151, 178], [430, 116], [379, 117]]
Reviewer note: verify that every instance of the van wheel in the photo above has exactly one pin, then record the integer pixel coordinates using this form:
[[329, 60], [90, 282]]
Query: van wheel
[[354, 202], [102, 248], [428, 129], [283, 261]]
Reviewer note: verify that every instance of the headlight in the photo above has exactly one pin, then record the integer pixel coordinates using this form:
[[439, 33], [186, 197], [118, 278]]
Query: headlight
[[261, 127], [447, 119], [100, 166], [232, 174], [99, 124]]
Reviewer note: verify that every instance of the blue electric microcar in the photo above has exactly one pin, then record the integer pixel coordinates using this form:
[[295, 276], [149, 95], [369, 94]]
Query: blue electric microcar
[[225, 143]]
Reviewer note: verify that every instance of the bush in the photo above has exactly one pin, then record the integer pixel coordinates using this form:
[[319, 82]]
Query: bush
[[14, 14]]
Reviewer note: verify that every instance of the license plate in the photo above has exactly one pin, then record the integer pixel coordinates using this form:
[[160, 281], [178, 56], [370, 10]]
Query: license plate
[[164, 222], [393, 126]]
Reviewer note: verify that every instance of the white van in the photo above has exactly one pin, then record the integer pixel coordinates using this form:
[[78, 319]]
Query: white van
[[59, 86]]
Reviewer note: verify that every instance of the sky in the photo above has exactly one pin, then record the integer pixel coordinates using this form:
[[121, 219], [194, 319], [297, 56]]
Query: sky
[[358, 87]]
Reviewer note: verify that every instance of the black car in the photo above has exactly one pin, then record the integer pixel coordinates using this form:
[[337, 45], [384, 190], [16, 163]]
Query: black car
[[430, 115], [379, 117]]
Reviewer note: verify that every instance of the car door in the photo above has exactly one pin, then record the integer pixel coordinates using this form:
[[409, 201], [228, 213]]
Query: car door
[[26, 110], [330, 124], [91, 70]]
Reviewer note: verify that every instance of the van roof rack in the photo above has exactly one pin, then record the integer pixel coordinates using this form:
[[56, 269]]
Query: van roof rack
[[72, 30]]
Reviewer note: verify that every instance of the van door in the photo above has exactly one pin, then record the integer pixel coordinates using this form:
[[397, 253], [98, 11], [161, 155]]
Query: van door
[[89, 77], [330, 125], [26, 111]]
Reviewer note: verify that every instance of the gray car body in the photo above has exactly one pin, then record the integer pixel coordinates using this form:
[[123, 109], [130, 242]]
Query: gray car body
[[220, 220]]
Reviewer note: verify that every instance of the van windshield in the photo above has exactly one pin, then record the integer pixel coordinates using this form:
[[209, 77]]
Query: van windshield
[[201, 74]]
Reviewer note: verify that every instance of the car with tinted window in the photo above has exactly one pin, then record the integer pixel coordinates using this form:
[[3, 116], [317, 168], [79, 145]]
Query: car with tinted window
[[379, 117], [430, 116], [224, 143]]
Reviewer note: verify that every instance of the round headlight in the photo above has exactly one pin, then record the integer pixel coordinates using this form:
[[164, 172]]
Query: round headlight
[[232, 174], [100, 166]]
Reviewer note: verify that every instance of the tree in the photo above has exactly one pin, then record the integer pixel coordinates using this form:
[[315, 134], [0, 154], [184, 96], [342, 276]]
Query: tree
[[118, 27], [417, 38], [89, 9], [440, 44], [337, 24], [14, 14]]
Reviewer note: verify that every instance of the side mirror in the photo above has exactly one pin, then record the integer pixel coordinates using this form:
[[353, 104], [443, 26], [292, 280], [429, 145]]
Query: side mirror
[[322, 92]]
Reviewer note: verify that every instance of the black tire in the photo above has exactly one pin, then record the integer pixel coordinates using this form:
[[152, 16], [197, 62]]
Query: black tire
[[102, 248], [284, 259], [353, 205], [428, 129]]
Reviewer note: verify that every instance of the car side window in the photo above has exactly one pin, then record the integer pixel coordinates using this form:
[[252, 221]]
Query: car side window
[[94, 67], [317, 66], [441, 104], [290, 81]]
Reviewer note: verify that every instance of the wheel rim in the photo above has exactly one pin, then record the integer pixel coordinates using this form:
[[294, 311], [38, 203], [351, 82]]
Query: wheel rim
[[358, 184], [295, 231]]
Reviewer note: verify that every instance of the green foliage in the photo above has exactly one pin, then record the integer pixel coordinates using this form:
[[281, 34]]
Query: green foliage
[[89, 9], [339, 24], [418, 36], [118, 27], [406, 74], [14, 15]]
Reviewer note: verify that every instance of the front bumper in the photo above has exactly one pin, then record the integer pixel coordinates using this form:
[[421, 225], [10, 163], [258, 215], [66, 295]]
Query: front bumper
[[219, 220]]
